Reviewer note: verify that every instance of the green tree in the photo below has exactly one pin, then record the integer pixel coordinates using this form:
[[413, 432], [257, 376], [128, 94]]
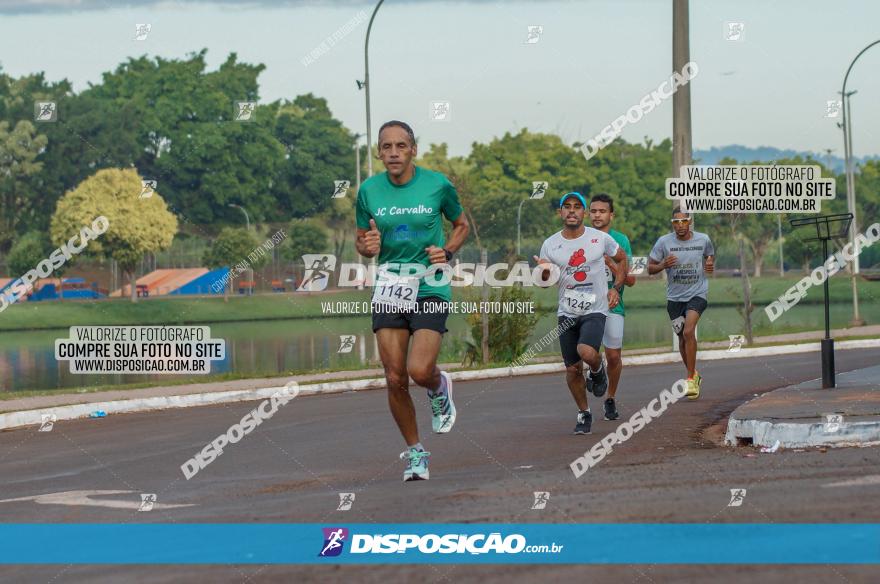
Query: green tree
[[868, 201], [27, 251], [232, 248], [191, 143], [90, 134], [460, 173], [635, 176], [317, 151], [504, 171], [19, 149], [797, 251], [138, 224], [508, 333], [306, 236], [339, 218]]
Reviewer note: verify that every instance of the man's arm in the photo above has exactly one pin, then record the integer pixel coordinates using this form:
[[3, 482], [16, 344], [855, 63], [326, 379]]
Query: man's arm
[[619, 277], [368, 241], [630, 280], [460, 229], [655, 267], [709, 264], [622, 268]]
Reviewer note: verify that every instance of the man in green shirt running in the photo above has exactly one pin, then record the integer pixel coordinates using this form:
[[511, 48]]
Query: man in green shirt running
[[399, 216], [601, 215]]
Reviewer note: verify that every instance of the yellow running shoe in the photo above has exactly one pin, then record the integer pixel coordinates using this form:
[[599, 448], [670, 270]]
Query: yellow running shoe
[[693, 388]]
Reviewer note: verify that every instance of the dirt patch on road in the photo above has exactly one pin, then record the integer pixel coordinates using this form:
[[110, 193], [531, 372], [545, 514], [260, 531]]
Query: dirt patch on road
[[714, 433], [285, 487]]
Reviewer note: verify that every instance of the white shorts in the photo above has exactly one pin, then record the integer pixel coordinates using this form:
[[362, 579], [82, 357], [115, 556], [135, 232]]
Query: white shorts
[[613, 337]]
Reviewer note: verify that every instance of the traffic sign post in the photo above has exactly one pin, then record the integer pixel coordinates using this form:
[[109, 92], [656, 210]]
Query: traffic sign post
[[826, 230]]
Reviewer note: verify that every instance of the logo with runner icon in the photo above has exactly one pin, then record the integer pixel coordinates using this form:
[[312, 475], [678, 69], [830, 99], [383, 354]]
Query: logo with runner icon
[[334, 541], [319, 268]]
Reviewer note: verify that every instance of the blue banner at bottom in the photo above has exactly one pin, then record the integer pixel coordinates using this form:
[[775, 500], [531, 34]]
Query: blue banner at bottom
[[411, 543]]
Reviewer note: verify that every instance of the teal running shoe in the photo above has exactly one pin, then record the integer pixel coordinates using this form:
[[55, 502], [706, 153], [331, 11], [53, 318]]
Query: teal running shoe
[[416, 464], [442, 406]]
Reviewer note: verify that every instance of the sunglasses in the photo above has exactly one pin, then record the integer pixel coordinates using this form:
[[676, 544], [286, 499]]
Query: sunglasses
[[680, 220]]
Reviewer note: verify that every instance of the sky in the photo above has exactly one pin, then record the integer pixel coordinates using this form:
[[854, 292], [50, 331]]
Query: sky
[[592, 61]]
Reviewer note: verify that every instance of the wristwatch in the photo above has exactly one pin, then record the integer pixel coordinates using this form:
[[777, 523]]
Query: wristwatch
[[448, 254], [619, 289]]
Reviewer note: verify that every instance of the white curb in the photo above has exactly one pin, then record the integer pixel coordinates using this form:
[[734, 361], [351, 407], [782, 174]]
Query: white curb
[[803, 434], [72, 412]]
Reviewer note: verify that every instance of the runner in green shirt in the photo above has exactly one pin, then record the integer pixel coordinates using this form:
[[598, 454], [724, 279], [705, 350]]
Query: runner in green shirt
[[399, 216], [601, 216]]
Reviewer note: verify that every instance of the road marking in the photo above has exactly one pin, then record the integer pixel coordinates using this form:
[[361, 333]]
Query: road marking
[[861, 481], [83, 498]]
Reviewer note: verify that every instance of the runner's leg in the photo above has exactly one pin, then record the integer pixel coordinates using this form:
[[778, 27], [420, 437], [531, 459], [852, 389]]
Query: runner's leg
[[392, 351], [577, 385], [682, 350], [422, 362], [614, 363], [612, 339], [689, 341], [590, 356], [574, 368]]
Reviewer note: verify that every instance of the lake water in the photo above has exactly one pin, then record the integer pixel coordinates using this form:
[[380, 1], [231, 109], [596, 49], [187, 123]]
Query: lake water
[[27, 359]]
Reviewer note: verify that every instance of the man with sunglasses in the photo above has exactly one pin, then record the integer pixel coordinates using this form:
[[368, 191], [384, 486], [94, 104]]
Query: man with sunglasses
[[584, 299], [687, 256]]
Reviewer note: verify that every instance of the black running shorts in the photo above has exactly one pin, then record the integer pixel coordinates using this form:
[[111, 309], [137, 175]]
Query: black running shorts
[[679, 309], [582, 330], [429, 313]]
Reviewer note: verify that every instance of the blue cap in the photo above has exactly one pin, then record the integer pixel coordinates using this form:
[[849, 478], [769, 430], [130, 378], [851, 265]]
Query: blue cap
[[573, 194]]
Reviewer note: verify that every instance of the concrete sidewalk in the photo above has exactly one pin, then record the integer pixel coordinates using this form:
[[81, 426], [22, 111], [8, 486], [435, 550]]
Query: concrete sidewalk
[[32, 410], [73, 397], [805, 415]]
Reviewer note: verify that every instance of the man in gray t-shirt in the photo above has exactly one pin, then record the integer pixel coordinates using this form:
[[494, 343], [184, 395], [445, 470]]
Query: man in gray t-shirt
[[687, 256], [685, 275]]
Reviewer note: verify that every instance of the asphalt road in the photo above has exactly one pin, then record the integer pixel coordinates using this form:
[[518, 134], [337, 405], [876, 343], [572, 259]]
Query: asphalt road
[[512, 438]]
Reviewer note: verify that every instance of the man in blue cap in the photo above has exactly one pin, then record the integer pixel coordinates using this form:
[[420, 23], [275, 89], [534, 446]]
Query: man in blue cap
[[584, 299]]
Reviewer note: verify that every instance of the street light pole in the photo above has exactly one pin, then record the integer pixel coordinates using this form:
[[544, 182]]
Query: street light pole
[[357, 174], [248, 222], [681, 99], [357, 162], [779, 237], [246, 218], [367, 88], [851, 205], [518, 216], [850, 183]]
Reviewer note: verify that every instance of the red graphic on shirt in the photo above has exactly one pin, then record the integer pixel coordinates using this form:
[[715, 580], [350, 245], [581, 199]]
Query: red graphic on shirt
[[577, 259]]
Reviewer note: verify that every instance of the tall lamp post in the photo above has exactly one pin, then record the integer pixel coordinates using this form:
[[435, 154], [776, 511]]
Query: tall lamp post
[[850, 183], [246, 217], [357, 162], [357, 174], [248, 223], [366, 87], [518, 217], [681, 99]]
